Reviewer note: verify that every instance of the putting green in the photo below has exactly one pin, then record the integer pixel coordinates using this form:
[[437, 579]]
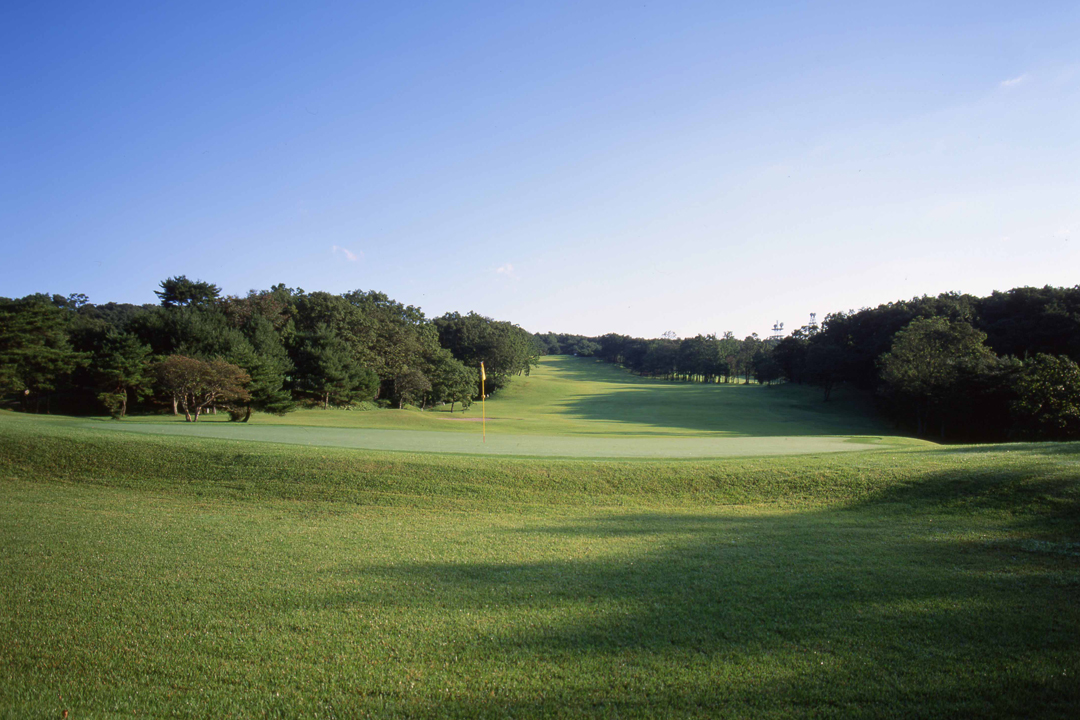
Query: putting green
[[521, 445]]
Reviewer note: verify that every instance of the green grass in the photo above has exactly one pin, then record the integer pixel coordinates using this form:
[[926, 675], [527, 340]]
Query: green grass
[[580, 396], [162, 575], [576, 407]]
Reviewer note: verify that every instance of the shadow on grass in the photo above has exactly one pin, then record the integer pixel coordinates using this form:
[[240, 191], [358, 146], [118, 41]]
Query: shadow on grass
[[834, 609], [1030, 448], [750, 410], [730, 408], [765, 697], [1037, 497]]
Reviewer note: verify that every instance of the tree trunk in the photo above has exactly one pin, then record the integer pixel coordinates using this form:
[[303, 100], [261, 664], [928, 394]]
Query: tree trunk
[[174, 402], [451, 407], [123, 403]]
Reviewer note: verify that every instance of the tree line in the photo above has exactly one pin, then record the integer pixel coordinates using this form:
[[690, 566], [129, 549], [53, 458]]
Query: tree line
[[955, 367], [958, 367], [198, 351], [703, 358]]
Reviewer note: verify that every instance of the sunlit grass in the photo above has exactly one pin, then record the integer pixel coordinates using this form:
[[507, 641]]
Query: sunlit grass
[[581, 396], [574, 407]]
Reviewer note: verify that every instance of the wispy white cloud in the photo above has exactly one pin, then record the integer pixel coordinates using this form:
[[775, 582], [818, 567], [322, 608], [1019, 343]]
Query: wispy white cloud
[[507, 270], [349, 255], [1013, 82]]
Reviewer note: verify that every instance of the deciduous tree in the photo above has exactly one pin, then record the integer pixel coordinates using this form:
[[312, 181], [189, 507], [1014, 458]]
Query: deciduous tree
[[196, 385], [410, 385], [504, 348], [1048, 402], [926, 360], [452, 381]]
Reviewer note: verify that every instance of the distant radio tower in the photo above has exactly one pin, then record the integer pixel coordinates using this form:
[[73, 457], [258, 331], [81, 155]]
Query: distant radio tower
[[812, 328], [777, 331]]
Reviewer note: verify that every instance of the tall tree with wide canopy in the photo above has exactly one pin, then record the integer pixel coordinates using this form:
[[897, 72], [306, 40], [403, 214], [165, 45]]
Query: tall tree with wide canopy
[[180, 292], [504, 348], [927, 359], [197, 385], [451, 380]]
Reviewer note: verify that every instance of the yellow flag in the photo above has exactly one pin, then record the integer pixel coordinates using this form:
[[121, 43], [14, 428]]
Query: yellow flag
[[483, 398]]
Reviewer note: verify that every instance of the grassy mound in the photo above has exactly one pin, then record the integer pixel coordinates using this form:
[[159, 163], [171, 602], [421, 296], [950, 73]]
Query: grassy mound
[[52, 449]]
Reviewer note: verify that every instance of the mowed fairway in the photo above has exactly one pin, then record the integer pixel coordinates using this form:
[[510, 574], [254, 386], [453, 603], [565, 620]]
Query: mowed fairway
[[577, 407]]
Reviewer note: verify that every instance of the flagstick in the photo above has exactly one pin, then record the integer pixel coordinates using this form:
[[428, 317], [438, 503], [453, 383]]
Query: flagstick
[[483, 398]]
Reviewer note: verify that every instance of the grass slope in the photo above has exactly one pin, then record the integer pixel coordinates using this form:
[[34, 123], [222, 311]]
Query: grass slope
[[164, 575], [570, 395], [576, 407]]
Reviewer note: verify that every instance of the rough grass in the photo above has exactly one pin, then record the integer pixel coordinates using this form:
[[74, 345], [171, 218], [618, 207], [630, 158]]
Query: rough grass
[[168, 576]]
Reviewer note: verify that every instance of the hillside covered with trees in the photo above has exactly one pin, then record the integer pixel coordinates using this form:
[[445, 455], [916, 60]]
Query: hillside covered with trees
[[955, 367], [198, 351]]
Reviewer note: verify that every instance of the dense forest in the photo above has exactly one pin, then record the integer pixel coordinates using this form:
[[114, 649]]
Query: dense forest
[[197, 351], [954, 367]]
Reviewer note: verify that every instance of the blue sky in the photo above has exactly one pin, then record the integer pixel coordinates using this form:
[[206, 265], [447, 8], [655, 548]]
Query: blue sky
[[582, 167]]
